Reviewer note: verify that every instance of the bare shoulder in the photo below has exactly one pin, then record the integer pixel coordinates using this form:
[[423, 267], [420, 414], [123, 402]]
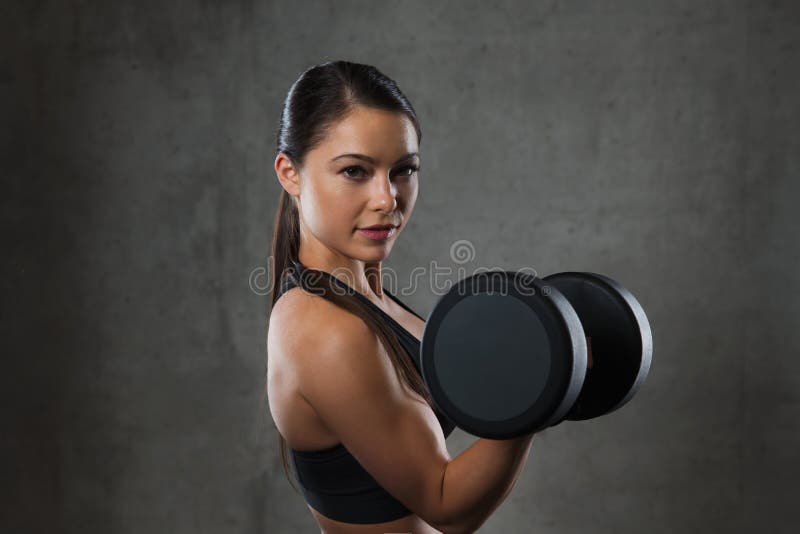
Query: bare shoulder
[[322, 346], [304, 327]]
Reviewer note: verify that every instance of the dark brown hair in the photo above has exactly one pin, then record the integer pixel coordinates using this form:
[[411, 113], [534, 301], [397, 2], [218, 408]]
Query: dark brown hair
[[320, 97]]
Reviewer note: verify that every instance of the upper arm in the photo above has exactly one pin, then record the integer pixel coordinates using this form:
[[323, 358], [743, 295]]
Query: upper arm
[[345, 373]]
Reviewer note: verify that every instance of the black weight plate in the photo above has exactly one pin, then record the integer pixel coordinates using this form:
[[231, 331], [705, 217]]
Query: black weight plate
[[621, 339], [499, 358]]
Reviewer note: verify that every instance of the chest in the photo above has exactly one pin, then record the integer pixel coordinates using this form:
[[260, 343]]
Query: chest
[[410, 322]]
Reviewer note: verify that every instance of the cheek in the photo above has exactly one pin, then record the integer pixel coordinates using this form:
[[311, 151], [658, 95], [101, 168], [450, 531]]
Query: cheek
[[333, 211]]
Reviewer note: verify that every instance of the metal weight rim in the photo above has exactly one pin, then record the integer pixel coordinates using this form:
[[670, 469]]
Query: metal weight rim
[[634, 308]]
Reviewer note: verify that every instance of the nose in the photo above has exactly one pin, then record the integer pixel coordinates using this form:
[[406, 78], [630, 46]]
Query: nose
[[383, 194]]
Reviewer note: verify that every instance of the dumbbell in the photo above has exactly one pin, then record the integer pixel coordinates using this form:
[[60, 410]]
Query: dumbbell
[[504, 353]]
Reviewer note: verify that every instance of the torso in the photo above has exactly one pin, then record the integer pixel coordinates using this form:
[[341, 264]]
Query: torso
[[303, 429]]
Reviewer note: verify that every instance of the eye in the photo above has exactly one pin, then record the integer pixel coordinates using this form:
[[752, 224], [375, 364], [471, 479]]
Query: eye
[[356, 171], [408, 170], [358, 168]]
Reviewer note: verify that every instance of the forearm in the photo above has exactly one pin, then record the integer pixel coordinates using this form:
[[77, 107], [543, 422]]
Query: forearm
[[479, 479]]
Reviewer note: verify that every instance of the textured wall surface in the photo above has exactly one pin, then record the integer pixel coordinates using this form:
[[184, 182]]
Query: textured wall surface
[[655, 141]]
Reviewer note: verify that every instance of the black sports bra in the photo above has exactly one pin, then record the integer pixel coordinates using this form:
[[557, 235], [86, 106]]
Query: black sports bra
[[332, 480]]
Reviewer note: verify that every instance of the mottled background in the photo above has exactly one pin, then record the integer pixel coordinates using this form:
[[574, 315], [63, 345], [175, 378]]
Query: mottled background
[[654, 141]]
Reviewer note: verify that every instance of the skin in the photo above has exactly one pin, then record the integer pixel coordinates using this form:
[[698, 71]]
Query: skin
[[334, 199]]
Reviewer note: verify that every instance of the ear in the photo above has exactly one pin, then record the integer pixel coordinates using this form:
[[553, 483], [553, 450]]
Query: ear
[[287, 174]]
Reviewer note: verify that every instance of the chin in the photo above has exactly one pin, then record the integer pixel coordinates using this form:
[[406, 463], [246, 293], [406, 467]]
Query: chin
[[375, 254]]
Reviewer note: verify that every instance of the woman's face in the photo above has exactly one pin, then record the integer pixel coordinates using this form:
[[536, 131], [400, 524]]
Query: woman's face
[[364, 173]]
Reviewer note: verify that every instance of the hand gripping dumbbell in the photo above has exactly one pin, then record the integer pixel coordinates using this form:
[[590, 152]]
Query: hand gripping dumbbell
[[505, 353]]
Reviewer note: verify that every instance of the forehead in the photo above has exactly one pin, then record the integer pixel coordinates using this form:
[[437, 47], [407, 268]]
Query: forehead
[[384, 135]]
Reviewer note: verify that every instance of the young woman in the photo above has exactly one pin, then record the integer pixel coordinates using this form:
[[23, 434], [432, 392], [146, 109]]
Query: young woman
[[343, 377]]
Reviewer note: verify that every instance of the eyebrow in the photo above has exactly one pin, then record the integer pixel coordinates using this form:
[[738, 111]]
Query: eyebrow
[[372, 160]]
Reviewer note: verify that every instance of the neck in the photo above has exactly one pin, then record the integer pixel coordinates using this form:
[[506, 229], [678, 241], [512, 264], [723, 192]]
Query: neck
[[364, 277]]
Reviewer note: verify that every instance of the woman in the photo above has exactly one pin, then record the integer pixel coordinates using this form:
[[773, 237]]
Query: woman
[[343, 381]]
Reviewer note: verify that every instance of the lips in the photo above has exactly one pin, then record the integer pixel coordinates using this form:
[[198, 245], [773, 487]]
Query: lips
[[378, 233], [380, 227]]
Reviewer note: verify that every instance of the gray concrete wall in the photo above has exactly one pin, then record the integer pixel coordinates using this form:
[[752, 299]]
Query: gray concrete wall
[[656, 142]]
